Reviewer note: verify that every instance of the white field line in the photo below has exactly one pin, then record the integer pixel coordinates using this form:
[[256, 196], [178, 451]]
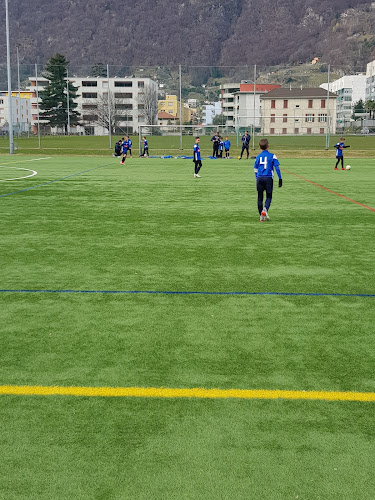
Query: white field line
[[34, 172]]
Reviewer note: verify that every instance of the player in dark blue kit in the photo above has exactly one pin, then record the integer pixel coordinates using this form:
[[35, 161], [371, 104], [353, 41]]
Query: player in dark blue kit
[[130, 147], [125, 148], [340, 146], [145, 147], [264, 164], [245, 144], [197, 157]]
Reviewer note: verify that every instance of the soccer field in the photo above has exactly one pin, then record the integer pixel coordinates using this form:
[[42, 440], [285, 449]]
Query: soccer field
[[139, 276]]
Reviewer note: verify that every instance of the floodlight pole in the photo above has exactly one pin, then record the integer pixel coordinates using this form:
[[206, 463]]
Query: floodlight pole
[[109, 113], [37, 102], [328, 121], [19, 89], [67, 101], [10, 110], [179, 72], [255, 78]]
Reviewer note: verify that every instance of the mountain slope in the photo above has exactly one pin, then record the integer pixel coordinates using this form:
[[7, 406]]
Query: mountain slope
[[193, 32]]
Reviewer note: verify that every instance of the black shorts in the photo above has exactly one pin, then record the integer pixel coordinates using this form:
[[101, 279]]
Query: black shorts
[[197, 163], [265, 184]]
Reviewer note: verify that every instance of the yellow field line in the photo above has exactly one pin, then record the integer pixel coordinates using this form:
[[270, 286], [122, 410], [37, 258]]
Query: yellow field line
[[163, 392]]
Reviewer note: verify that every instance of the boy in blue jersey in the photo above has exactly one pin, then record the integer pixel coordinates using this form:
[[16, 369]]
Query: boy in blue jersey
[[145, 147], [264, 164], [197, 157], [227, 147], [340, 146], [125, 148]]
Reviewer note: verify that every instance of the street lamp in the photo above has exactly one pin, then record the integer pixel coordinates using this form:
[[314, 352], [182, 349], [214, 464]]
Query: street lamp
[[10, 120]]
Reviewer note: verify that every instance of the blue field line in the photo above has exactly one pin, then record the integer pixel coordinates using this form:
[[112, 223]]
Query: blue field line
[[166, 292], [56, 180]]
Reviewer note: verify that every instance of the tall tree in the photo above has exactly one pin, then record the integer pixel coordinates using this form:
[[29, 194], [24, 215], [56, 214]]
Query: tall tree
[[148, 104], [98, 70], [54, 97]]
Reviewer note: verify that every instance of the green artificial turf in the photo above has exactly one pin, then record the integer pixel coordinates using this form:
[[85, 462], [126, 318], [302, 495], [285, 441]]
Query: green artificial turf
[[150, 226], [289, 146]]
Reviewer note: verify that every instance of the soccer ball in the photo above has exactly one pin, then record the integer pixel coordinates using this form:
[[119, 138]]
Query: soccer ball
[[239, 157], [348, 167]]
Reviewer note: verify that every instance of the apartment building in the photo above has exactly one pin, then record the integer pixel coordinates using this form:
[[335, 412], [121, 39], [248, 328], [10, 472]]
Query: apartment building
[[247, 104], [370, 81], [298, 111], [349, 89], [21, 112], [129, 100], [227, 95]]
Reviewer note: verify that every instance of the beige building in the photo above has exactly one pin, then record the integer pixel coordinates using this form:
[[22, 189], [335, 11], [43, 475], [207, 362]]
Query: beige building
[[171, 106], [288, 111]]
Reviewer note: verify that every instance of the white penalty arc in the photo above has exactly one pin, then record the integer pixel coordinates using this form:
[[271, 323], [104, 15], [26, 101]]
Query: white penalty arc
[[33, 172]]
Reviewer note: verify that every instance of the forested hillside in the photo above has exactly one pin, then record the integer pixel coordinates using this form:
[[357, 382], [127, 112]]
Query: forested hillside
[[210, 32]]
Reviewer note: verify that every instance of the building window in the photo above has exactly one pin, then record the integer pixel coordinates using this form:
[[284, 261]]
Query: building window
[[309, 118], [123, 84], [272, 130], [141, 106], [123, 95], [321, 130], [123, 106], [285, 118], [141, 85], [310, 103], [323, 103], [273, 103], [296, 130], [89, 106], [90, 118], [272, 118], [89, 95], [285, 103], [309, 130], [284, 130], [322, 117], [89, 84]]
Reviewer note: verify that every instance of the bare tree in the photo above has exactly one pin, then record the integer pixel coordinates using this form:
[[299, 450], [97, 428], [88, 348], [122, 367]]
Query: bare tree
[[106, 109], [148, 104]]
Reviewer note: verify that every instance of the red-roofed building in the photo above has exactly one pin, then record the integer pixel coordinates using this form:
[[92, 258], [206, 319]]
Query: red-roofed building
[[247, 104]]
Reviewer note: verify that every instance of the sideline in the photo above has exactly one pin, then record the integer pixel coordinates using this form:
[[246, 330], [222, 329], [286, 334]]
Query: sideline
[[329, 190], [166, 292], [198, 393]]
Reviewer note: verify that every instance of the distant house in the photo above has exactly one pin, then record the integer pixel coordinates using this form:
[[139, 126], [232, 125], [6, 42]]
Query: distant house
[[167, 119], [292, 111], [247, 108]]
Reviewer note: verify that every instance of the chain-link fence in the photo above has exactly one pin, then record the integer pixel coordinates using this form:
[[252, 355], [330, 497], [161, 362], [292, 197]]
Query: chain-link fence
[[122, 100]]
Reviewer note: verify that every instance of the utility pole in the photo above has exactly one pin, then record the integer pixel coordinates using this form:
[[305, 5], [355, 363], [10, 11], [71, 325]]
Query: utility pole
[[10, 110]]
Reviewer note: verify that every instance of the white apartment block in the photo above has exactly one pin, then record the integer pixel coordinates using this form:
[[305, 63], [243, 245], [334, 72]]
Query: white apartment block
[[130, 96], [21, 112], [209, 111], [227, 91], [370, 81], [288, 111], [247, 104], [349, 89]]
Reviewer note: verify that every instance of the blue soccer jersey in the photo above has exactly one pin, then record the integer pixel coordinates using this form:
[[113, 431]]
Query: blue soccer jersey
[[145, 144], [129, 143], [227, 145], [197, 152], [265, 163], [340, 149], [125, 147]]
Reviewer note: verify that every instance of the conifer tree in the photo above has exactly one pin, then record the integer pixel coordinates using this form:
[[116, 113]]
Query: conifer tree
[[54, 96]]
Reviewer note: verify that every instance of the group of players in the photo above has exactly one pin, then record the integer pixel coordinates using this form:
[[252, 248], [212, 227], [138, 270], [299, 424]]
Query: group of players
[[123, 148], [264, 166]]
